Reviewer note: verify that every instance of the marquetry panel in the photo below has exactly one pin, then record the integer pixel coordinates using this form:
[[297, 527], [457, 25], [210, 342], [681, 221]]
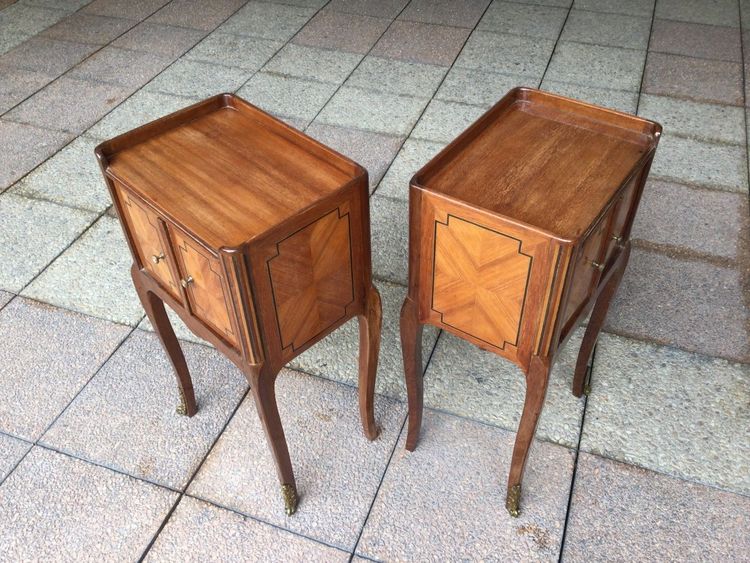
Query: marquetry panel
[[311, 279]]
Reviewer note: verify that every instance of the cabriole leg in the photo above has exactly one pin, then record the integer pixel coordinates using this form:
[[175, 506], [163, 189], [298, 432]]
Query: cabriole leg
[[369, 347], [411, 349]]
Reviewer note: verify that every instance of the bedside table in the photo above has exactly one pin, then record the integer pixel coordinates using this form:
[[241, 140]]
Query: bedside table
[[257, 236], [518, 229]]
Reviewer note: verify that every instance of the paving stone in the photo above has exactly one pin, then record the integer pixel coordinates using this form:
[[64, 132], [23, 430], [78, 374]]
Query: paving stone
[[198, 80], [671, 411], [125, 417], [56, 507], [524, 19], [696, 40], [389, 223], [701, 162], [421, 43], [618, 511], [374, 151], [23, 147], [198, 530], [180, 329], [697, 79], [314, 64], [615, 30], [676, 215], [39, 381], [717, 12], [457, 476], [287, 96], [5, 297], [399, 77], [597, 66], [71, 177], [69, 105], [107, 66], [691, 304], [343, 32], [66, 6], [133, 10], [10, 40], [465, 13], [32, 233], [337, 469], [196, 14], [413, 155], [238, 51], [620, 100], [87, 28], [478, 87], [18, 84], [21, 18], [629, 7], [711, 122], [12, 451], [271, 21], [140, 108], [47, 56], [92, 277], [378, 8], [561, 3], [159, 39], [506, 54], [444, 121], [375, 111]]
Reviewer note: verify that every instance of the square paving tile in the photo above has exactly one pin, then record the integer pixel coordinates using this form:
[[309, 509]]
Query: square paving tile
[[125, 417], [134, 10], [39, 381], [10, 40], [421, 43], [478, 87], [524, 19], [691, 304], [18, 84], [389, 223], [716, 12], [629, 7], [337, 469], [271, 21], [56, 507], [469, 382], [159, 39], [378, 8], [374, 151], [198, 80], [32, 233], [47, 56], [5, 297], [444, 121], [22, 18], [337, 355], [696, 40], [506, 54], [615, 30], [618, 511], [200, 531], [413, 155], [399, 77], [465, 13], [238, 51], [698, 79], [23, 147], [597, 66], [87, 28], [66, 6], [93, 276], [343, 32], [621, 100], [453, 484], [71, 177], [560, 3], [196, 14], [706, 221], [312, 63], [11, 452], [107, 66], [374, 111], [671, 411]]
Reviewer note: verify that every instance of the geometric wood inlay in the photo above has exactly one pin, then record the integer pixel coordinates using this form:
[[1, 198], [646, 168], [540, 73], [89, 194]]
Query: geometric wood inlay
[[311, 279], [479, 281]]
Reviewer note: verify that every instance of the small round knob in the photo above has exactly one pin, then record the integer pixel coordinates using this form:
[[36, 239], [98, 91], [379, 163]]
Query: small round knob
[[617, 239], [187, 281], [156, 259], [597, 265]]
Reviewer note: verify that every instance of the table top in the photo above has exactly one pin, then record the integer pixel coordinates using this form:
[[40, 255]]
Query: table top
[[225, 169], [542, 160]]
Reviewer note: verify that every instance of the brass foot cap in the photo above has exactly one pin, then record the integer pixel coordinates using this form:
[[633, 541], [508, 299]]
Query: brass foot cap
[[587, 389], [289, 493], [513, 501], [181, 409]]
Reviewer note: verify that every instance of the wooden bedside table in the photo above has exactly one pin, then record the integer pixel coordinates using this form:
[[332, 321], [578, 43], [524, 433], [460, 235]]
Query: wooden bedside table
[[518, 229], [257, 236]]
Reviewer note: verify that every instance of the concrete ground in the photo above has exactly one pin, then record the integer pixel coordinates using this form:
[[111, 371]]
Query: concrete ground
[[94, 462]]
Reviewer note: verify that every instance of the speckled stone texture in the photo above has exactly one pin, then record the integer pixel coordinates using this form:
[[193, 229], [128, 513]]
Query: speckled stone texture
[[399, 77], [313, 63], [57, 508], [11, 452], [271, 21], [414, 154], [135, 10], [614, 30], [596, 65], [696, 40], [24, 147], [621, 100], [444, 121], [623, 512], [506, 54], [476, 87], [337, 469], [162, 39], [37, 382], [718, 12], [125, 417], [445, 12], [196, 14], [250, 53], [389, 224], [421, 43], [629, 7], [180, 329], [671, 411], [445, 500], [344, 32], [200, 531], [107, 66], [377, 8], [5, 297], [88, 28], [18, 84], [523, 19], [47, 56], [198, 80]]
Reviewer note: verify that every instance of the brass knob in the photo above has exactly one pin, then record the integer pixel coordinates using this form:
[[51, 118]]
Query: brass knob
[[597, 265], [187, 281], [617, 239], [156, 259]]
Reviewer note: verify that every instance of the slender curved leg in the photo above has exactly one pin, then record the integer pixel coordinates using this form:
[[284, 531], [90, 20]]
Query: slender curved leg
[[262, 381], [369, 347], [411, 349], [596, 322], [536, 390], [158, 316]]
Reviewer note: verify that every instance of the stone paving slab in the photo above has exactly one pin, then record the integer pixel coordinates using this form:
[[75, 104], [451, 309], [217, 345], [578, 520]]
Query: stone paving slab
[[443, 121], [18, 84], [12, 451], [596, 65], [312, 63], [621, 100], [524, 19], [196, 14], [337, 469], [445, 12], [198, 530], [623, 512], [506, 54], [478, 87], [164, 40], [134, 9], [614, 30], [342, 32], [446, 499], [88, 28], [696, 40], [398, 77], [421, 43], [38, 382], [389, 224], [22, 18], [378, 8], [125, 417], [48, 56], [250, 53], [628, 7], [718, 12], [56, 507], [194, 79], [414, 154], [5, 297], [270, 21], [107, 66]]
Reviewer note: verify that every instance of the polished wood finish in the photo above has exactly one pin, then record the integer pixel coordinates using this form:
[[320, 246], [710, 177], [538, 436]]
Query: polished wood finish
[[518, 229], [257, 236]]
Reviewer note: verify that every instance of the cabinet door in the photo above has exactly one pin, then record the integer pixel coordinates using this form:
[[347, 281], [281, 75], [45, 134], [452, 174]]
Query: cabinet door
[[205, 286]]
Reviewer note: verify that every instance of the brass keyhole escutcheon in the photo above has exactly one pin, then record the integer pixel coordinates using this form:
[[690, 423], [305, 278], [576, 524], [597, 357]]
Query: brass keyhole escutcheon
[[187, 281], [156, 258]]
